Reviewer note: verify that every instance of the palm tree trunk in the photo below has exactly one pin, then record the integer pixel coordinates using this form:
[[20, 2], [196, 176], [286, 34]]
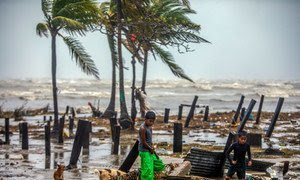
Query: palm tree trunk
[[145, 72], [133, 107], [111, 107], [54, 87], [124, 113]]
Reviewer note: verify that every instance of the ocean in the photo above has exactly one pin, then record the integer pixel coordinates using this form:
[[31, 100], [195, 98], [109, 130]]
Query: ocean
[[220, 95]]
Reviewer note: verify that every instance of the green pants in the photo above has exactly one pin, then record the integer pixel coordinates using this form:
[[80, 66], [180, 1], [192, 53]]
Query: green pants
[[149, 164]]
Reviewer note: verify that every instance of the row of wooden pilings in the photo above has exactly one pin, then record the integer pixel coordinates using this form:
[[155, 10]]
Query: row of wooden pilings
[[81, 140]]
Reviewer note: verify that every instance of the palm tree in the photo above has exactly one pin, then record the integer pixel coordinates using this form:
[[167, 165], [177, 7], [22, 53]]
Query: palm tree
[[74, 17]]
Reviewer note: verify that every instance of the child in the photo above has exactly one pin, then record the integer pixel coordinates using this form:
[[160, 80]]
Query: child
[[146, 150], [238, 164]]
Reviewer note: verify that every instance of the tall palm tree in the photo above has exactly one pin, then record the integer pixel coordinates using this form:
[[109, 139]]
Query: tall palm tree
[[74, 17]]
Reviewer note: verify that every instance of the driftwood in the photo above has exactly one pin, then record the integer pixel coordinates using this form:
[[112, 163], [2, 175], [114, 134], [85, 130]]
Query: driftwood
[[19, 112], [96, 111]]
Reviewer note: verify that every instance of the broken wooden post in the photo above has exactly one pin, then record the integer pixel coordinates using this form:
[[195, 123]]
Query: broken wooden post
[[242, 113], [61, 130], [247, 115], [82, 129], [254, 139], [259, 109], [73, 112], [113, 122], [229, 141], [275, 117], [236, 115], [86, 142], [67, 110], [205, 118], [20, 131], [24, 135], [180, 112], [45, 118], [49, 124], [7, 141], [191, 113], [71, 125], [166, 117], [177, 141], [285, 167], [131, 157], [47, 140], [116, 140]]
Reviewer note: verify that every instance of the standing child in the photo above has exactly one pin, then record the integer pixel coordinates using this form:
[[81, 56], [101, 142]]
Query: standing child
[[238, 163], [146, 150]]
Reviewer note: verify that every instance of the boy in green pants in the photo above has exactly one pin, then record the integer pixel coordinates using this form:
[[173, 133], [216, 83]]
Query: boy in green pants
[[149, 160]]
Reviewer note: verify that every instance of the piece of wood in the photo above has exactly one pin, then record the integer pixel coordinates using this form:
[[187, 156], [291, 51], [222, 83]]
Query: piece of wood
[[191, 113], [205, 118], [82, 129], [275, 117], [180, 112], [24, 135], [259, 109], [166, 116], [7, 141], [182, 170], [61, 130], [247, 115], [237, 113], [116, 139], [177, 140], [131, 157], [47, 140]]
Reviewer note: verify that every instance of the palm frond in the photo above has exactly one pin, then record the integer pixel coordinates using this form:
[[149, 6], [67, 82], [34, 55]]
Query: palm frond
[[86, 12], [46, 8], [42, 29], [168, 59], [69, 25], [82, 59]]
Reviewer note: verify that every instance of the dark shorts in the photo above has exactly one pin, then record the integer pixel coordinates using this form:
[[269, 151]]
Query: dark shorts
[[239, 169]]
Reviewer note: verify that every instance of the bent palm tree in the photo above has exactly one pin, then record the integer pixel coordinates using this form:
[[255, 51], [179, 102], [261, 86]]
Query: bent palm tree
[[74, 17]]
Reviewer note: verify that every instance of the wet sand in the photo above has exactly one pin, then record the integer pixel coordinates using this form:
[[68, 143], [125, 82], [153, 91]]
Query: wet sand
[[212, 135]]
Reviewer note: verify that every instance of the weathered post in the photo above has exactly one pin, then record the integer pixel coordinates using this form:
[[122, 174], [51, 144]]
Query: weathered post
[[45, 118], [166, 117], [247, 115], [285, 167], [73, 112], [131, 157], [117, 139], [71, 125], [24, 135], [113, 122], [50, 119], [61, 130], [67, 110], [86, 142], [49, 124], [236, 115], [259, 109], [20, 131], [205, 118], [7, 141], [275, 117], [242, 113], [177, 141], [229, 141], [180, 112], [47, 140], [191, 113], [82, 129]]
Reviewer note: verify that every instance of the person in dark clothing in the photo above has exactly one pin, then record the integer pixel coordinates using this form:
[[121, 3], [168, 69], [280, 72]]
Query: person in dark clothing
[[238, 163]]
